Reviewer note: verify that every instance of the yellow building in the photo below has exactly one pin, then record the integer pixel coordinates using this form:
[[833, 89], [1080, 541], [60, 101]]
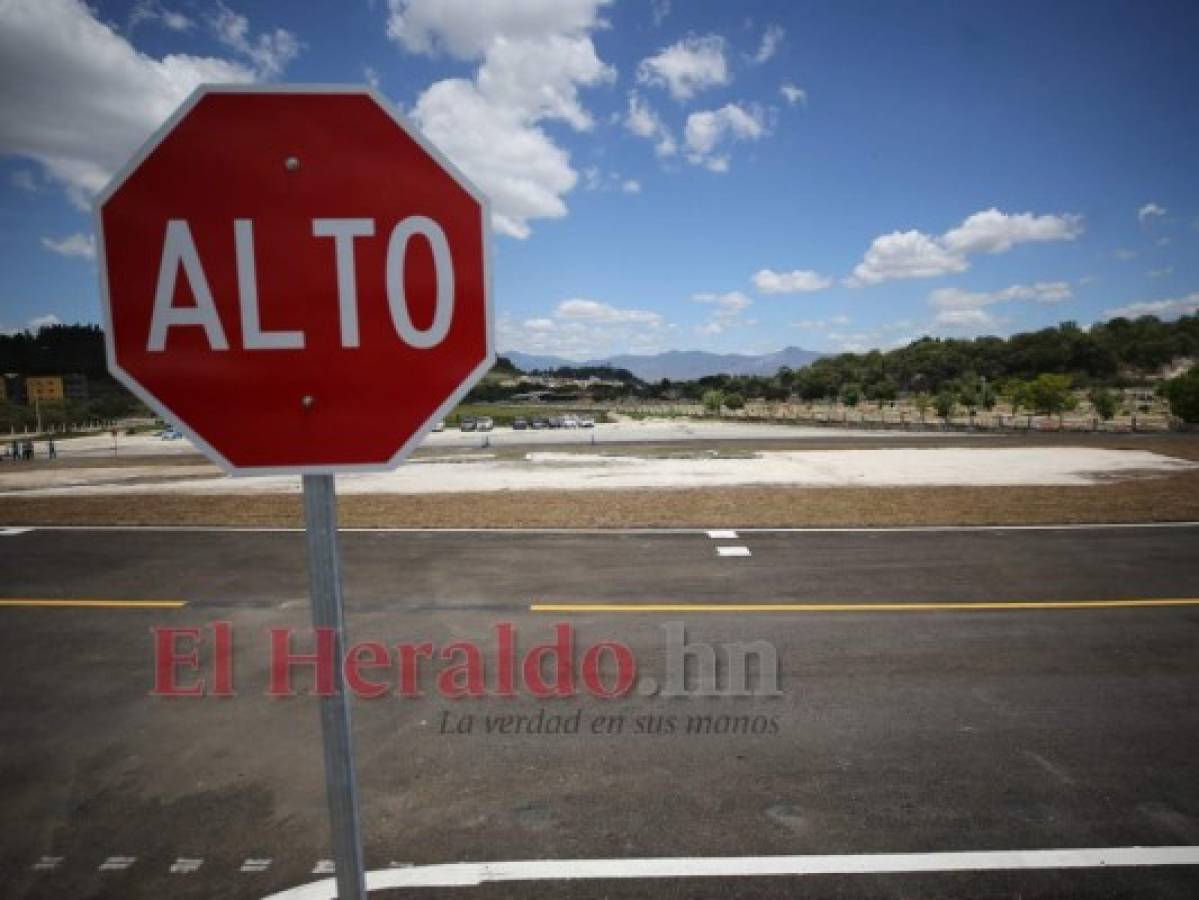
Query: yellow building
[[44, 388]]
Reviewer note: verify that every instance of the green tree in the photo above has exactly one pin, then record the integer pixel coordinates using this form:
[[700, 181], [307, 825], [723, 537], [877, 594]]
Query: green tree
[[851, 395], [1105, 402], [968, 395], [945, 403], [922, 402], [734, 401], [713, 402], [1049, 393], [1182, 393]]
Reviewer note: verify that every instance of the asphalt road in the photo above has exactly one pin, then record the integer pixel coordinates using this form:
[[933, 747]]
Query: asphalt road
[[897, 730]]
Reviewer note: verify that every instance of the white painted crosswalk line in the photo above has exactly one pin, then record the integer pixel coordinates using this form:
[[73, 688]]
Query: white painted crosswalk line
[[256, 865], [48, 863], [324, 867], [185, 866]]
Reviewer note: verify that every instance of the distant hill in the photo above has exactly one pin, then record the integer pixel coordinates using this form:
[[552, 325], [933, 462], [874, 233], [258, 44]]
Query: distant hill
[[679, 365]]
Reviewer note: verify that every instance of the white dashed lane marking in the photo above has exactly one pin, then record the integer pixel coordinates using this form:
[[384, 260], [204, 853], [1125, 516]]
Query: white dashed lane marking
[[47, 863], [722, 535], [251, 866], [733, 551], [185, 866], [117, 863]]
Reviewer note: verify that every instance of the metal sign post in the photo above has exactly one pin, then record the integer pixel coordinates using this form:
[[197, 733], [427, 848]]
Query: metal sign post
[[324, 580]]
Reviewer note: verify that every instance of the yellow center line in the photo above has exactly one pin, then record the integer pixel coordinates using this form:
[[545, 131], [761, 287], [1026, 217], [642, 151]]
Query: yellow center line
[[94, 604], [851, 607]]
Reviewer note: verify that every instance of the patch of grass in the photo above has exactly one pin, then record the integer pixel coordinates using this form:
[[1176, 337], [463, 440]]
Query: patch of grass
[[504, 413]]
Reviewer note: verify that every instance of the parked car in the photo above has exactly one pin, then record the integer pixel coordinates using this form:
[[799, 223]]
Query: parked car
[[467, 423], [440, 426], [519, 424], [555, 421], [586, 422], [540, 423], [570, 421], [484, 423], [171, 433]]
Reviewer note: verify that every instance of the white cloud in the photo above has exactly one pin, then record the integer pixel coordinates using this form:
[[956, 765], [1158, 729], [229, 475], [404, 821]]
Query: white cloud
[[1150, 211], [1163, 272], [771, 38], [659, 9], [797, 281], [1124, 255], [992, 231], [707, 129], [914, 254], [692, 65], [730, 304], [270, 53], [43, 321], [466, 29], [821, 324], [905, 254], [644, 122], [24, 180], [154, 11], [795, 96], [594, 311], [726, 314], [1163, 309], [535, 55], [965, 318], [582, 329], [79, 99], [631, 186], [960, 308], [78, 244], [370, 76], [1040, 292]]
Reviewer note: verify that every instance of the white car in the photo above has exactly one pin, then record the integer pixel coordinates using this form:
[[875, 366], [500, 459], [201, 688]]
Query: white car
[[484, 423]]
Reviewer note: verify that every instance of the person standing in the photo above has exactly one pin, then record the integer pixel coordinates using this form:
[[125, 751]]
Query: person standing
[[51, 450]]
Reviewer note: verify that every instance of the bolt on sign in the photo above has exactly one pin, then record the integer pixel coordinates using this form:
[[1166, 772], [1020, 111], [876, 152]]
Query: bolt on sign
[[296, 278]]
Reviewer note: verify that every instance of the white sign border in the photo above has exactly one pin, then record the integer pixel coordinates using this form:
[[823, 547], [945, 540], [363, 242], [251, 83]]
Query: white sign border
[[165, 411]]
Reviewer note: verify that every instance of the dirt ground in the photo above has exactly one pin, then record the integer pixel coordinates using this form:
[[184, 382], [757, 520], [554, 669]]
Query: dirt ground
[[1170, 498]]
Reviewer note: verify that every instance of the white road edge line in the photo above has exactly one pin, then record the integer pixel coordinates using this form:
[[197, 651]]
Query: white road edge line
[[473, 874], [915, 529]]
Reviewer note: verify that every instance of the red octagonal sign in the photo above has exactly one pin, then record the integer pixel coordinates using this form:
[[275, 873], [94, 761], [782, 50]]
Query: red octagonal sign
[[296, 278]]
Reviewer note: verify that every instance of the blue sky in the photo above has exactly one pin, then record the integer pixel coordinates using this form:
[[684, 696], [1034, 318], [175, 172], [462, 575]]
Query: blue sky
[[679, 175]]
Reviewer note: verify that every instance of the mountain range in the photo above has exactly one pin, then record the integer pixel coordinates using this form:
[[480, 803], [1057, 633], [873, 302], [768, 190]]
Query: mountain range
[[678, 365]]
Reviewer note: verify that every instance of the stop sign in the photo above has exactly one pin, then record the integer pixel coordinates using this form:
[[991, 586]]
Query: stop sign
[[296, 278]]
